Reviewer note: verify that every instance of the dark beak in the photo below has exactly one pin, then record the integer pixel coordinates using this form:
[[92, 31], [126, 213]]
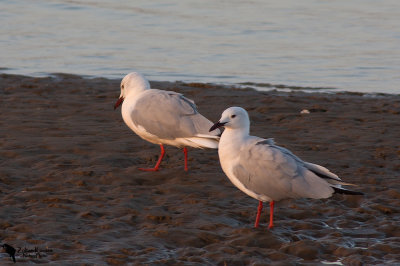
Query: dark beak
[[216, 125], [118, 103]]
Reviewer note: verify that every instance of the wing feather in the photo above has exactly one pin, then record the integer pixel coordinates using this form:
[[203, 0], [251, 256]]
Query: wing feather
[[169, 115], [273, 171]]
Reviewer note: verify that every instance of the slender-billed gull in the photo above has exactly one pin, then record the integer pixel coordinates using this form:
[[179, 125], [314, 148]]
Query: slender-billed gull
[[266, 171], [163, 117]]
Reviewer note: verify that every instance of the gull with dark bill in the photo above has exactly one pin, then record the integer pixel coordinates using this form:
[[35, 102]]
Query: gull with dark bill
[[163, 117], [266, 171]]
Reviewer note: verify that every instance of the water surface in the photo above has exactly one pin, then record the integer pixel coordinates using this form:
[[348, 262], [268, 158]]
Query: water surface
[[347, 45]]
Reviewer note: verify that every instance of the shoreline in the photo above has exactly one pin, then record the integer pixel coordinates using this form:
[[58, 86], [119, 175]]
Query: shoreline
[[69, 183], [261, 87]]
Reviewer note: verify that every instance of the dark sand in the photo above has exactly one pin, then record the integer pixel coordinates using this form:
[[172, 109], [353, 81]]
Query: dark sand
[[70, 187]]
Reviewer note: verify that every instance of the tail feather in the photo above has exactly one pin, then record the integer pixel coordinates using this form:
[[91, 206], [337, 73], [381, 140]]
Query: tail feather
[[346, 191], [202, 125], [331, 178], [208, 136], [321, 171], [201, 142]]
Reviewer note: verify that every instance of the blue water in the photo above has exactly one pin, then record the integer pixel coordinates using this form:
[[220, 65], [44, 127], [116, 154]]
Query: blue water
[[347, 45]]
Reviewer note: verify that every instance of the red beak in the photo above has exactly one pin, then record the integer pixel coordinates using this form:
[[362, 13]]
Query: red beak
[[118, 103]]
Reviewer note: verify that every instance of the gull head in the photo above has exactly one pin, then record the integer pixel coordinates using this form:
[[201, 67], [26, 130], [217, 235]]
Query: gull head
[[233, 118], [132, 84]]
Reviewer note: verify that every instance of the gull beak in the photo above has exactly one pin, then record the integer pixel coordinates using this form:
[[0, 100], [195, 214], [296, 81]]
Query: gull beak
[[118, 103], [216, 125]]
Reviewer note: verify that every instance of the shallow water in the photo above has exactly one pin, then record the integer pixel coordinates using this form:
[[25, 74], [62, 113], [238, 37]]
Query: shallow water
[[347, 45]]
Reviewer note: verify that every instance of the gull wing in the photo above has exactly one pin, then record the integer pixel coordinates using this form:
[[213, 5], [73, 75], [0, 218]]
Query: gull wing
[[169, 115], [270, 170]]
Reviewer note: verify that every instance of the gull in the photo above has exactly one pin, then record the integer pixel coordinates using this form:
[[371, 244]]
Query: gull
[[163, 117], [268, 172]]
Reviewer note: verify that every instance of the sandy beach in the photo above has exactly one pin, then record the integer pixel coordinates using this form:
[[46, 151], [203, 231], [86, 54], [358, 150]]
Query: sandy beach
[[71, 193]]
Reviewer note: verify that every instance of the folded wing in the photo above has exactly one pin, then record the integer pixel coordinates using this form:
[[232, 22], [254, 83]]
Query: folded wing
[[170, 115], [275, 172]]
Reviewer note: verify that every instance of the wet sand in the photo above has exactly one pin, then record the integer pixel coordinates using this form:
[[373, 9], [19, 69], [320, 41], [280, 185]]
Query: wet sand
[[70, 187]]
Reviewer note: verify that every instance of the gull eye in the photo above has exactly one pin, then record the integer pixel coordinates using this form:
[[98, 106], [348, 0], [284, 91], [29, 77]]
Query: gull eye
[[122, 86], [233, 116]]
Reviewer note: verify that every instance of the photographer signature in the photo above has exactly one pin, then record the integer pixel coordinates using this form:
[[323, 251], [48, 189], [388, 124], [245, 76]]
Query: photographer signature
[[35, 252]]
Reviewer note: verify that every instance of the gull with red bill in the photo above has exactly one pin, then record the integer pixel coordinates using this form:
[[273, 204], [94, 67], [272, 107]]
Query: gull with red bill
[[268, 172], [163, 117]]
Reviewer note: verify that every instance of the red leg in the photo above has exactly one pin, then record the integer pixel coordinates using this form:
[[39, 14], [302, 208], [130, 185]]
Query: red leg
[[271, 214], [158, 162], [259, 209], [185, 152]]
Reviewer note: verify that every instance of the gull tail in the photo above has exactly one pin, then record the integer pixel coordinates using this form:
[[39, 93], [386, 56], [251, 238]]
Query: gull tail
[[335, 181], [332, 179], [202, 138], [325, 174], [203, 141], [339, 190]]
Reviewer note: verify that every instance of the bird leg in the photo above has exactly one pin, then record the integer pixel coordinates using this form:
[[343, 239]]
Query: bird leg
[[271, 214], [259, 209], [158, 162], [185, 152]]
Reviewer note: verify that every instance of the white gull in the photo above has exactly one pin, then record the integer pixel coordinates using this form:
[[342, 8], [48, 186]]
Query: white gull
[[163, 117], [266, 171]]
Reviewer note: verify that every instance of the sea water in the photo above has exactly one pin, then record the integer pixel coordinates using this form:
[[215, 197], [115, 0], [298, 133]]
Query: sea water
[[343, 45]]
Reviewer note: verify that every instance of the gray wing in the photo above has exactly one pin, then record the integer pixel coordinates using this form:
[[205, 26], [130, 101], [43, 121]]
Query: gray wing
[[275, 172], [169, 115], [318, 170]]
